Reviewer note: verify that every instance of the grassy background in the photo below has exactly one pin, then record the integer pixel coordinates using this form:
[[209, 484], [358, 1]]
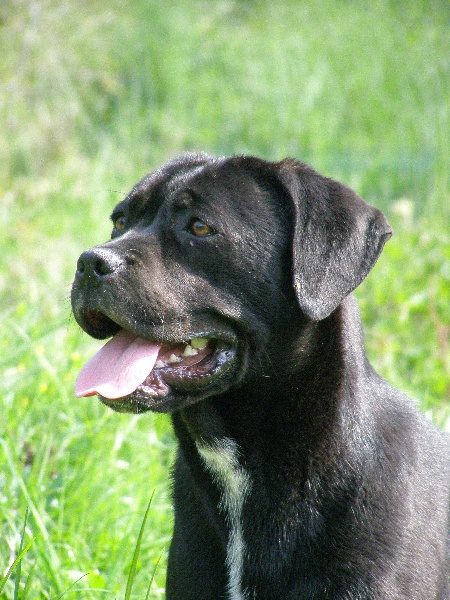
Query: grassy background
[[96, 93]]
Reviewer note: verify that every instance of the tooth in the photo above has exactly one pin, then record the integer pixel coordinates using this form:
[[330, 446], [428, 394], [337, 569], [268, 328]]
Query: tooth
[[159, 364], [199, 343], [174, 359], [190, 351]]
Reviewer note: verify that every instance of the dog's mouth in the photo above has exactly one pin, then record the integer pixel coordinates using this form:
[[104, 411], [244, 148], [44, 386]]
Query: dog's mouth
[[133, 374]]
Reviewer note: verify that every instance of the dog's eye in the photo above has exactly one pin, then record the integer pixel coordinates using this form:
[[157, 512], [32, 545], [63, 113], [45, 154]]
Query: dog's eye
[[199, 228], [119, 223]]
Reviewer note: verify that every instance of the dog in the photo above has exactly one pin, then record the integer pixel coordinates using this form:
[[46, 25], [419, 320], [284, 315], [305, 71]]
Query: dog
[[226, 290]]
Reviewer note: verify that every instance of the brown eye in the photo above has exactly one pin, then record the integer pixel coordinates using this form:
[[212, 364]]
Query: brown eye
[[119, 224], [200, 229]]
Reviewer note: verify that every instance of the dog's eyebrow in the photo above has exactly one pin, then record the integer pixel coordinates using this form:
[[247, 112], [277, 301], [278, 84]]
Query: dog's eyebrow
[[119, 209], [135, 204]]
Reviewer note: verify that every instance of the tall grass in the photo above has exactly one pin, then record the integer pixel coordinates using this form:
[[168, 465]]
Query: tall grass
[[95, 94]]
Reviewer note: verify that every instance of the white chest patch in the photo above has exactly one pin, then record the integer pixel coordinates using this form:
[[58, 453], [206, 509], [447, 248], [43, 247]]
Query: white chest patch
[[221, 460]]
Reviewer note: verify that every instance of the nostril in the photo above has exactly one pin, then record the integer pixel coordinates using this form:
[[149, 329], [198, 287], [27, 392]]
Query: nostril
[[101, 268]]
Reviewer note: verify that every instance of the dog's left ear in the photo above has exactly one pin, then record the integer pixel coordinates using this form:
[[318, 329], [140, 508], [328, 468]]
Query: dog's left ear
[[337, 238]]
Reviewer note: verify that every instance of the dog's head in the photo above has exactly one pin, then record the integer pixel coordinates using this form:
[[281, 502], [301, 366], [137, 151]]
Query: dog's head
[[210, 263]]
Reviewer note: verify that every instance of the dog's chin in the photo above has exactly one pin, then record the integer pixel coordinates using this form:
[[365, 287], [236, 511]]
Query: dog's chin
[[170, 389]]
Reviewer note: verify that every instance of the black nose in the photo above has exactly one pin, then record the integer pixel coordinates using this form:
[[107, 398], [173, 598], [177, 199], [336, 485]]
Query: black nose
[[95, 264]]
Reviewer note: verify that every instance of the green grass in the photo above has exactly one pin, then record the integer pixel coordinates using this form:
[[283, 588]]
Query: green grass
[[94, 95]]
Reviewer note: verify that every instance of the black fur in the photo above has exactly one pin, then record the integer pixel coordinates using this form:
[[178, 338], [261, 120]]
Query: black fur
[[349, 484]]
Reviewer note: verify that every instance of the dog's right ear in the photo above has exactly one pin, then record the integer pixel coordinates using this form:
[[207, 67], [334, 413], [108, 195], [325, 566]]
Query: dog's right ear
[[336, 241]]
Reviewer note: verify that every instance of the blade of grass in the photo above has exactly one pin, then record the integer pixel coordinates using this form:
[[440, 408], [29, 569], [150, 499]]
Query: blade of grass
[[68, 589], [19, 566], [153, 576], [132, 573], [14, 565]]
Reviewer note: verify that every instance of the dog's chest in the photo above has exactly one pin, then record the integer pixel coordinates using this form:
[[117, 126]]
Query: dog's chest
[[222, 460]]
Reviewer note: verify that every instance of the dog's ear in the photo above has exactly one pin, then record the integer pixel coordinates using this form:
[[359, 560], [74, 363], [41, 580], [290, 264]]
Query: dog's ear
[[337, 238]]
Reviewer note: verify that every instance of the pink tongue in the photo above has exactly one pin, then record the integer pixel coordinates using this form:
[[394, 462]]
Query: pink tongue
[[118, 368]]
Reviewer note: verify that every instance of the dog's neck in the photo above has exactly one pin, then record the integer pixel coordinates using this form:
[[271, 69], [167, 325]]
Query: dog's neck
[[276, 403]]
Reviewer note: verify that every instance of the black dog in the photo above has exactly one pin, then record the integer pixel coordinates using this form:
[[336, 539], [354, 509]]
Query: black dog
[[300, 474]]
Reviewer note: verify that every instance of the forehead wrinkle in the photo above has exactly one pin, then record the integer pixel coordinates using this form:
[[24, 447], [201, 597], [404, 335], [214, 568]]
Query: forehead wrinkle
[[181, 180]]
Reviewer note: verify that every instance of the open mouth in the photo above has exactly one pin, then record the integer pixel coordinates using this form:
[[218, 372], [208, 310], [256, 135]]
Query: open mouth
[[132, 373]]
